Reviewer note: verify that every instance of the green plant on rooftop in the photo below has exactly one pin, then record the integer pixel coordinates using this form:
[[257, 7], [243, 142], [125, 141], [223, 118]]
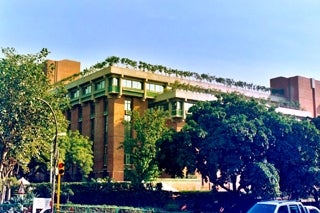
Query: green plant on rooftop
[[143, 66]]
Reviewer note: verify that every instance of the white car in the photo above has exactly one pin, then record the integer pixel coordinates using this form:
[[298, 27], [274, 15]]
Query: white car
[[278, 206], [312, 209]]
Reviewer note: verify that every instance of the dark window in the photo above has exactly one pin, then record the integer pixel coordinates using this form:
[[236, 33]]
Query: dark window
[[283, 209], [294, 209]]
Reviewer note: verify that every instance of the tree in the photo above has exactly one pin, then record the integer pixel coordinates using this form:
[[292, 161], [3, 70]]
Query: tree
[[146, 129], [176, 154], [246, 143], [261, 179], [26, 124], [75, 150], [78, 155], [230, 137], [295, 154]]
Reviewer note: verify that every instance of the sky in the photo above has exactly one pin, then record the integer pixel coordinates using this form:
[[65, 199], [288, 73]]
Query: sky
[[245, 40]]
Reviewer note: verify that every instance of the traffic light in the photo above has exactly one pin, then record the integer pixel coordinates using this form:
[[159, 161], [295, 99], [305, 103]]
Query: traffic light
[[61, 168]]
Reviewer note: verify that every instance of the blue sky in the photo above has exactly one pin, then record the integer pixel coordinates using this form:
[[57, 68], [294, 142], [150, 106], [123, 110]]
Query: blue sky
[[247, 40]]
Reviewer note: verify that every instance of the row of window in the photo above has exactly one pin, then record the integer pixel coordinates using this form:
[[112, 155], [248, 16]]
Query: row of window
[[128, 107], [100, 85]]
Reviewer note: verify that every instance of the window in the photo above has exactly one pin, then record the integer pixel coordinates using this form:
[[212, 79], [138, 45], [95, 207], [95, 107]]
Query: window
[[136, 85], [131, 84], [100, 85], [127, 116], [187, 106], [294, 209], [163, 107], [127, 104], [127, 109], [87, 90], [177, 105], [127, 159], [92, 130], [80, 119], [105, 153], [154, 88], [114, 82], [283, 209], [105, 106], [92, 110], [80, 113], [74, 94]]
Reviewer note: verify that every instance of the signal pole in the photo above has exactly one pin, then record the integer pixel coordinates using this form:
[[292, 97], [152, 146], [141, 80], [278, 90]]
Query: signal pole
[[60, 172], [58, 193]]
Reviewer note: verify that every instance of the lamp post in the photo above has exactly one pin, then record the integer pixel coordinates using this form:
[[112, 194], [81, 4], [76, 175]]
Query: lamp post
[[54, 154]]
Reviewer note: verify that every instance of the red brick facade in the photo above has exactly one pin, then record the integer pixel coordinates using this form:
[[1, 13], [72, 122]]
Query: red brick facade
[[58, 70], [98, 105], [304, 91]]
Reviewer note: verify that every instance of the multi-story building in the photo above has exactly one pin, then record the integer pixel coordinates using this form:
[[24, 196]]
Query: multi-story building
[[58, 70], [102, 100], [300, 90]]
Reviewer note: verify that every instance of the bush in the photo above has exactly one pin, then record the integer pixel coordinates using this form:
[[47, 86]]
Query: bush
[[121, 194]]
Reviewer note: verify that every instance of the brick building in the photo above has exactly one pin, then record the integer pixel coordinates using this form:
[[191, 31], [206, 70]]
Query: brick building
[[58, 70], [102, 100], [300, 90]]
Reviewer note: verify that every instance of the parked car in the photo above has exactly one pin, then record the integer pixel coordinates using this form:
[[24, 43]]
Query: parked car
[[278, 206], [312, 209]]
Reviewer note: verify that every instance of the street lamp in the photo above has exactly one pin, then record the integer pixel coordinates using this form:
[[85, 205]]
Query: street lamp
[[54, 154]]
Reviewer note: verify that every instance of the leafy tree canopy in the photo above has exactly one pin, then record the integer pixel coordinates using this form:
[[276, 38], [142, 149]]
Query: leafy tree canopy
[[143, 132], [175, 156], [241, 141], [30, 108], [229, 139], [78, 154], [25, 122]]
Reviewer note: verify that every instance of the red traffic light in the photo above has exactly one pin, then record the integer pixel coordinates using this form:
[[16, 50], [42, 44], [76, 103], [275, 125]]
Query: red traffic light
[[61, 168]]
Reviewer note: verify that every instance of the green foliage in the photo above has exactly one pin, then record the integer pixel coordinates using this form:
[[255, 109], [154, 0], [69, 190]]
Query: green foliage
[[22, 81], [262, 180], [42, 189], [77, 153], [238, 138], [26, 122], [30, 111], [146, 129], [176, 154], [297, 159], [103, 208], [229, 134], [143, 66]]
